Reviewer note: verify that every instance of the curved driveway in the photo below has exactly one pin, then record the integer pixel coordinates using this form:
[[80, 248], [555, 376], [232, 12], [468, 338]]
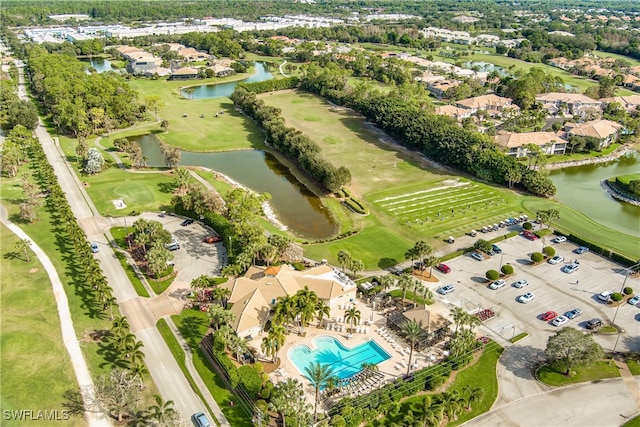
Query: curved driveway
[[163, 368]]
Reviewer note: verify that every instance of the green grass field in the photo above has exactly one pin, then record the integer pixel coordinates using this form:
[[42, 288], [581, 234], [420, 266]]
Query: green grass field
[[35, 369], [598, 371], [634, 62], [626, 179], [228, 131]]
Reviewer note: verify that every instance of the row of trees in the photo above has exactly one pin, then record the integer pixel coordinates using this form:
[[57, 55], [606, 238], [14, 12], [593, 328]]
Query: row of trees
[[291, 142], [436, 136], [79, 103], [151, 240]]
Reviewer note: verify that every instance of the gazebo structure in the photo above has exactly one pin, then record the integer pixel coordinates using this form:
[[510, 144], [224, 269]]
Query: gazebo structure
[[435, 327]]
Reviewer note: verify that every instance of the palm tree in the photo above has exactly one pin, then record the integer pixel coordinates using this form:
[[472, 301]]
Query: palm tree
[[412, 331], [344, 258], [459, 317], [422, 249], [162, 411], [280, 403], [387, 282], [352, 316], [222, 295], [472, 394], [405, 283], [119, 324], [269, 348], [284, 310], [411, 254], [450, 402], [430, 261], [322, 310], [416, 289], [433, 415], [238, 346], [426, 294], [276, 338], [305, 306], [219, 316], [201, 283], [318, 375]]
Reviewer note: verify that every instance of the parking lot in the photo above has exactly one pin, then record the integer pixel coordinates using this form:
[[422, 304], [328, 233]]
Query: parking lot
[[553, 289]]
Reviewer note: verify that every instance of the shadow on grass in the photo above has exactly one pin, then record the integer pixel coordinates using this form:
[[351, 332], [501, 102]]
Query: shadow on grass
[[166, 187], [387, 262]]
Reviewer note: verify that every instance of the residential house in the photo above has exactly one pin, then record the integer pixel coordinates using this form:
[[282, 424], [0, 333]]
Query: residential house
[[629, 103], [256, 293], [632, 82], [492, 103], [440, 87], [515, 144], [453, 111], [184, 73], [573, 103], [221, 70], [191, 54], [605, 131]]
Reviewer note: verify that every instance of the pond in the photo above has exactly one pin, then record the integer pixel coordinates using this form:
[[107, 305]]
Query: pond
[[579, 187], [100, 64], [215, 90], [296, 207]]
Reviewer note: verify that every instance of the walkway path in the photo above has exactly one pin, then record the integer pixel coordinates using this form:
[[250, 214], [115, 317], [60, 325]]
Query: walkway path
[[163, 368], [69, 337], [282, 65]]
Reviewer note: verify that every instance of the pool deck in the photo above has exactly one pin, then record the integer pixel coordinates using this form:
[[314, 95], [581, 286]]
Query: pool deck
[[391, 368]]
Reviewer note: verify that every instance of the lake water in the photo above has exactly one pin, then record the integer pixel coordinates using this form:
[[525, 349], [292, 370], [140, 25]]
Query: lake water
[[579, 187], [226, 89], [297, 207], [100, 64]]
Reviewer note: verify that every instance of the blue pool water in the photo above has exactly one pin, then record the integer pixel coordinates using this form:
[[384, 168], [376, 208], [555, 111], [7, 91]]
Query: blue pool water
[[330, 351]]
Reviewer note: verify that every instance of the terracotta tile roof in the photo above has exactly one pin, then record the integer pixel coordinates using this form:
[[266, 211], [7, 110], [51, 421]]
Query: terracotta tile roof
[[485, 101], [451, 110], [512, 140], [569, 98], [596, 129], [185, 71]]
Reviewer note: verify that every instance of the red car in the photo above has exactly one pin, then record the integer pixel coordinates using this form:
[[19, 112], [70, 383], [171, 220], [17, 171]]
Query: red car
[[549, 315], [212, 239], [444, 268], [529, 235]]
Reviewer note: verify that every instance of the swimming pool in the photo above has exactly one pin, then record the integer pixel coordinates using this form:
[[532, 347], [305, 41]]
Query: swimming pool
[[330, 351]]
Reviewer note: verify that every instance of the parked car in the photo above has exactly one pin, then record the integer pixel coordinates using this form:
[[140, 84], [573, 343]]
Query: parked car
[[496, 249], [212, 239], [560, 239], [556, 260], [528, 297], [635, 300], [594, 323], [549, 315], [520, 284], [605, 296], [94, 247], [201, 420], [443, 268], [581, 250], [174, 246], [572, 314], [529, 235], [570, 268], [446, 289], [477, 255], [560, 321], [497, 284], [187, 222]]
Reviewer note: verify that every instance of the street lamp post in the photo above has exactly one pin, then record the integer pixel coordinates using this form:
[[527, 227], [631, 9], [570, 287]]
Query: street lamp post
[[500, 267]]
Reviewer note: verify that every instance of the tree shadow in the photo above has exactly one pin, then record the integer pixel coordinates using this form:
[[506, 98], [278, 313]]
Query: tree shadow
[[387, 262], [479, 279], [14, 255], [166, 187], [190, 329], [522, 360], [111, 355]]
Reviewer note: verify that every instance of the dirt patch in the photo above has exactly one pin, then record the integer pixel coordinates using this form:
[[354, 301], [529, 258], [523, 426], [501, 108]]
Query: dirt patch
[[95, 336], [425, 276], [34, 270]]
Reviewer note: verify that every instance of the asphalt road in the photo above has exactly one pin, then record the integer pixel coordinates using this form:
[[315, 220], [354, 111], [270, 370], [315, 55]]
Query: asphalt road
[[163, 368]]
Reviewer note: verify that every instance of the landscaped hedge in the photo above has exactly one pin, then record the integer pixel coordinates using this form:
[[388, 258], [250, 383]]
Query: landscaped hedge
[[355, 206], [507, 269], [537, 257], [270, 85], [549, 251], [492, 275]]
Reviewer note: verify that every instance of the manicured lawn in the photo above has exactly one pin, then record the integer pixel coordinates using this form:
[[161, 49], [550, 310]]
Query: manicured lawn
[[626, 179], [598, 371], [634, 366], [193, 325], [35, 369], [581, 156], [397, 293], [161, 286], [634, 62], [139, 191], [519, 337], [633, 422], [232, 130]]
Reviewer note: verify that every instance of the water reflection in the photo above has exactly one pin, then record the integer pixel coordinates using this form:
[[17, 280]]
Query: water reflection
[[579, 187], [296, 206], [215, 90], [100, 64]]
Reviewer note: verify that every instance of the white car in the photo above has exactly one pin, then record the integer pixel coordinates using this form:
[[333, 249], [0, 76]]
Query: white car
[[560, 239], [520, 284], [497, 284], [605, 296], [556, 260], [528, 297], [570, 268], [560, 321]]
